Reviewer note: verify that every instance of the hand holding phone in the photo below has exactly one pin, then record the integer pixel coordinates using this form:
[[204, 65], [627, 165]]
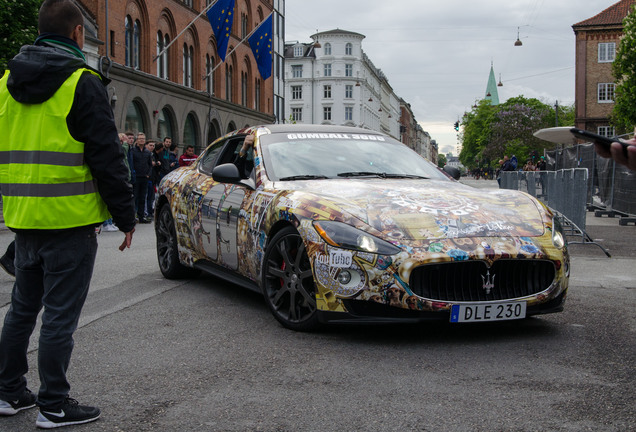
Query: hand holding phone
[[604, 142]]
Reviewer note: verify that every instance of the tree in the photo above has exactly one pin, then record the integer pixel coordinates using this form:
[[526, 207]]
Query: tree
[[18, 26], [624, 67], [441, 160], [476, 132], [490, 132]]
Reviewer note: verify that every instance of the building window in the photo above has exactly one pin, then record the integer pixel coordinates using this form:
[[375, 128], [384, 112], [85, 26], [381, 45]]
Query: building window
[[134, 117], [228, 83], [349, 70], [257, 95], [606, 131], [327, 69], [606, 92], [188, 66], [297, 92], [348, 91], [209, 77], [187, 3], [163, 59], [112, 43], [606, 52], [164, 125], [297, 71], [190, 133], [326, 113], [243, 89], [243, 25], [297, 114], [327, 48], [326, 91], [133, 31], [348, 49], [298, 51], [348, 114]]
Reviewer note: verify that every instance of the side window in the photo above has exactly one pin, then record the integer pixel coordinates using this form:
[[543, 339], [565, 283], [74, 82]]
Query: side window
[[208, 160], [231, 150]]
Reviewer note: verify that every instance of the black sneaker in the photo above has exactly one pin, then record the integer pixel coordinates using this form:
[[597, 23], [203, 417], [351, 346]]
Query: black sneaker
[[26, 401], [71, 413], [7, 264]]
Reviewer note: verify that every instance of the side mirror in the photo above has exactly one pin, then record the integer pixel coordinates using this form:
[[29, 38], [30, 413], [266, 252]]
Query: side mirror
[[229, 173], [226, 173], [452, 171]]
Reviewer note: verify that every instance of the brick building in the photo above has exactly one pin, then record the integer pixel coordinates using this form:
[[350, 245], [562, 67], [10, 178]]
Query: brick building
[[177, 94], [597, 39]]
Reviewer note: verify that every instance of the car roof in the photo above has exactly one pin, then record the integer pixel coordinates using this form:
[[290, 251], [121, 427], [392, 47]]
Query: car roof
[[313, 128]]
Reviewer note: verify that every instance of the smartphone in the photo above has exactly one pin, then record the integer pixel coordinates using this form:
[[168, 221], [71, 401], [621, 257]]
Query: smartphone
[[605, 142]]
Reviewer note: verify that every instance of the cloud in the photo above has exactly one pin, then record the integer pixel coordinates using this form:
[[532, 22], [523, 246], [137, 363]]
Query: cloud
[[437, 55]]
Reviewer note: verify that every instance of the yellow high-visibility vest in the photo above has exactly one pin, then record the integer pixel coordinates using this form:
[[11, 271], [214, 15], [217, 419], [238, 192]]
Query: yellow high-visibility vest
[[44, 180]]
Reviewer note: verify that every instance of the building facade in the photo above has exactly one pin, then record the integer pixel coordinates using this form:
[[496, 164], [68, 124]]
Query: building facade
[[184, 91], [332, 81], [597, 39]]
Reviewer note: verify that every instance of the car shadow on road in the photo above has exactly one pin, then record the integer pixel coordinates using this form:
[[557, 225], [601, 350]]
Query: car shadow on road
[[429, 332]]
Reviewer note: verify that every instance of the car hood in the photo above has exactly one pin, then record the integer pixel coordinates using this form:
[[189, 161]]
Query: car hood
[[424, 209]]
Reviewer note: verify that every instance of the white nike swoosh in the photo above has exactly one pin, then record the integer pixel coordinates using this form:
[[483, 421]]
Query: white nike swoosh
[[59, 415]]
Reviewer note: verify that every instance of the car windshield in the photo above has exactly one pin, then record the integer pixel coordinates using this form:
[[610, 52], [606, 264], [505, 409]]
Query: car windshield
[[300, 156]]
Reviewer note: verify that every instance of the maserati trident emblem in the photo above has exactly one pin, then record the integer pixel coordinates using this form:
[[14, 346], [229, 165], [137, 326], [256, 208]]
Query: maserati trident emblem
[[489, 283]]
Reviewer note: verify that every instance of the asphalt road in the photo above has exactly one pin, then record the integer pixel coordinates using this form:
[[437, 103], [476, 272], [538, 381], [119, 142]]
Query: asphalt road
[[203, 355]]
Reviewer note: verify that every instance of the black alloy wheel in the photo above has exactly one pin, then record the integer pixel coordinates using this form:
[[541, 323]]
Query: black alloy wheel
[[288, 283], [167, 253]]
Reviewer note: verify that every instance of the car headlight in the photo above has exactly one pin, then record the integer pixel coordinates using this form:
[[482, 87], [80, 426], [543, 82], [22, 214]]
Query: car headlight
[[558, 238], [345, 236]]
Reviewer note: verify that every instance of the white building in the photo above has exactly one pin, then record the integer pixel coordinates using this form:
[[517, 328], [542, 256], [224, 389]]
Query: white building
[[332, 81]]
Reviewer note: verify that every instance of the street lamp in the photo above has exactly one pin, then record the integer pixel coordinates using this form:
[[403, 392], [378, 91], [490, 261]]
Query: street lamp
[[518, 41]]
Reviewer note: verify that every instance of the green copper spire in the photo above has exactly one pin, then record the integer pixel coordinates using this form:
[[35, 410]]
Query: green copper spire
[[491, 89]]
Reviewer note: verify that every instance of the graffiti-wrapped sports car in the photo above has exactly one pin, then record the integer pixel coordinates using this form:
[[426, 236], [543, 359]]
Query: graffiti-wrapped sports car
[[336, 224]]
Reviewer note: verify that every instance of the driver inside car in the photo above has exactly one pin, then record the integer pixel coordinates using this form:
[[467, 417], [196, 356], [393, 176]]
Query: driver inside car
[[244, 159]]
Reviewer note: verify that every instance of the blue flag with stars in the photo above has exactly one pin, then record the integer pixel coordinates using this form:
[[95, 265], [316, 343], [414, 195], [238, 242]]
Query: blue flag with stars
[[261, 44], [220, 17]]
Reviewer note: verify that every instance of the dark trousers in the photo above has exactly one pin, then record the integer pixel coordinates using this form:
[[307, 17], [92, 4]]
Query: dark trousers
[[150, 198], [53, 271], [140, 189]]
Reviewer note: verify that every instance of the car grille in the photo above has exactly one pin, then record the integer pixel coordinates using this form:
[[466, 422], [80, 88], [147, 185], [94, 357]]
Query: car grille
[[474, 281]]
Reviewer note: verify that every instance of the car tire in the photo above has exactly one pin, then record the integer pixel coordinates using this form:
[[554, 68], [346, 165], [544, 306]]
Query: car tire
[[288, 282], [167, 253]]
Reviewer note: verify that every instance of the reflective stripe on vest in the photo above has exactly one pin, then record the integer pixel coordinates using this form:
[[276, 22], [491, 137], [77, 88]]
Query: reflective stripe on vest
[[45, 181]]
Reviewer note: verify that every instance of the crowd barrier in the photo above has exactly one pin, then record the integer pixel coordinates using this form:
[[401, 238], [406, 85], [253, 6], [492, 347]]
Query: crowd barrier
[[611, 188], [564, 191]]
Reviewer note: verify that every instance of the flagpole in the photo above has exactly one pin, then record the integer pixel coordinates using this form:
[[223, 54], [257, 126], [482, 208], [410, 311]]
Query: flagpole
[[207, 8], [237, 45]]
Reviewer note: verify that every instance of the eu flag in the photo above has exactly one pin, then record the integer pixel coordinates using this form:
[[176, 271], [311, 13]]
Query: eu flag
[[261, 44], [220, 17]]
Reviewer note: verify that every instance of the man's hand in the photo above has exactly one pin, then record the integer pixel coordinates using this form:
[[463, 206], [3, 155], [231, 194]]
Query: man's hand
[[127, 241], [616, 153], [247, 143]]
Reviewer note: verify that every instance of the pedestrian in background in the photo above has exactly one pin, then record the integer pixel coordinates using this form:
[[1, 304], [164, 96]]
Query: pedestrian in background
[[150, 195], [142, 163], [188, 157], [166, 159], [55, 108]]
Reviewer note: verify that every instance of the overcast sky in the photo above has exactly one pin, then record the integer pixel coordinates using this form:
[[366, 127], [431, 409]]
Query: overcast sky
[[437, 54]]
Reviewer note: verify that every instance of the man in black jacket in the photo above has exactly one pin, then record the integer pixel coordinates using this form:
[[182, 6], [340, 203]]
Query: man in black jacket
[[142, 161], [62, 173]]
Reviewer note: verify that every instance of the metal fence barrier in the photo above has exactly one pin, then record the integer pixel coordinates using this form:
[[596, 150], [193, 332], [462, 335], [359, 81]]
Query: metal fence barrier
[[564, 191], [611, 188]]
